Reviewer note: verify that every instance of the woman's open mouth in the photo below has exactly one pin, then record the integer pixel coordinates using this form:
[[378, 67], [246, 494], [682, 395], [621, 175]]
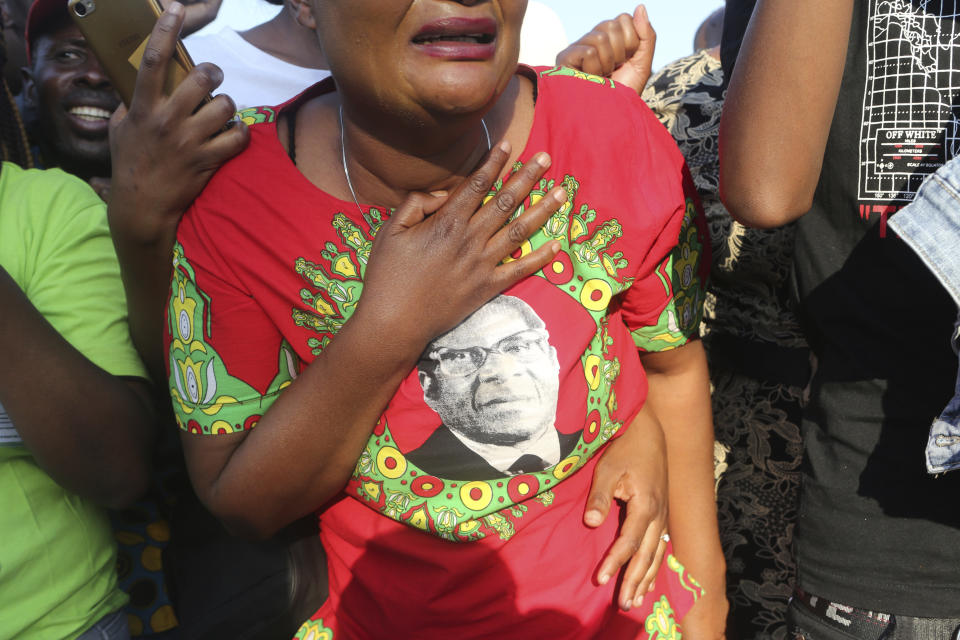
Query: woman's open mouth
[[458, 38]]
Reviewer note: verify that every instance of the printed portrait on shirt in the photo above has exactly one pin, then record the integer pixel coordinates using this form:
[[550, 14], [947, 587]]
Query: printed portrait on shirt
[[494, 381]]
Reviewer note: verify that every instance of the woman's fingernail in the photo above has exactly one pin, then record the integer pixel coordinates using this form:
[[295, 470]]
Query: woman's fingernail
[[504, 146], [603, 578], [626, 605], [175, 8], [638, 601], [542, 159], [438, 194]]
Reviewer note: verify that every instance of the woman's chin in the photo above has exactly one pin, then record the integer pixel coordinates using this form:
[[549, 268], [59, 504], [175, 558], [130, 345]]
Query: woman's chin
[[459, 93]]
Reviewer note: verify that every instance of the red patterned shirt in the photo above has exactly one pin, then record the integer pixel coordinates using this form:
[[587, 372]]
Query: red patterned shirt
[[464, 512]]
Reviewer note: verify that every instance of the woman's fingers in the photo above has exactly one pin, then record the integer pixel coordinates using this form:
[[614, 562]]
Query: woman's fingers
[[607, 46], [642, 569], [632, 37], [514, 192], [519, 230], [516, 270], [601, 497], [649, 581], [632, 542], [636, 70], [468, 197], [416, 207], [583, 57]]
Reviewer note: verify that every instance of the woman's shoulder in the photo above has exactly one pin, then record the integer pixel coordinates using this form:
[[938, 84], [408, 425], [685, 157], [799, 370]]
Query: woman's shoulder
[[265, 162], [600, 107]]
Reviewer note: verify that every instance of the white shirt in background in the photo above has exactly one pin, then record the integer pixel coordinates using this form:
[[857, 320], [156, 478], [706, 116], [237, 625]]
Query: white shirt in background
[[250, 76]]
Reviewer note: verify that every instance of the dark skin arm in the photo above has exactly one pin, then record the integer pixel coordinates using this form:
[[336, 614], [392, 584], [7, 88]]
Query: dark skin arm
[[430, 243], [164, 152], [680, 397], [95, 436], [779, 107]]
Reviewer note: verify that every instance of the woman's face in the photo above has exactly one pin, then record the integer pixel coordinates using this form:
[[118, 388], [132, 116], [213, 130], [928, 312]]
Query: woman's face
[[420, 59]]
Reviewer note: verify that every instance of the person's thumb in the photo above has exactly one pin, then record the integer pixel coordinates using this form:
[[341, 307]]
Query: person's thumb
[[636, 71]]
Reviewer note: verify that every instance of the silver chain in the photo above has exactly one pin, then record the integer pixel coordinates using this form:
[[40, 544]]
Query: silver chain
[[343, 156]]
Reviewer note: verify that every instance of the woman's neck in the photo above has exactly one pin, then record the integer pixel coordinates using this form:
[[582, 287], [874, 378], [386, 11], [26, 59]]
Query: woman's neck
[[384, 163], [284, 38]]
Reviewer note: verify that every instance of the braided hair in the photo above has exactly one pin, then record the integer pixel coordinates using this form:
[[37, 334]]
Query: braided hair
[[13, 136]]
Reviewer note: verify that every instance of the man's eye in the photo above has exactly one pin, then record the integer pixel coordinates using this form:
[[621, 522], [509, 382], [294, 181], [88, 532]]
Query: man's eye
[[520, 345], [515, 347], [70, 55]]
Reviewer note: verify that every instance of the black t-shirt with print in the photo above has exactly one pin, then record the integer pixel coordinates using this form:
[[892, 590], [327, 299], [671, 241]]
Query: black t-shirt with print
[[875, 530]]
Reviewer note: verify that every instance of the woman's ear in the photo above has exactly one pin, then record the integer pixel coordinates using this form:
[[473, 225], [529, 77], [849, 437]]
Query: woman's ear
[[303, 12]]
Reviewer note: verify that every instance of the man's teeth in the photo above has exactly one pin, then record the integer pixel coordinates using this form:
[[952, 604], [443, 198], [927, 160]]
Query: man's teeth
[[90, 113]]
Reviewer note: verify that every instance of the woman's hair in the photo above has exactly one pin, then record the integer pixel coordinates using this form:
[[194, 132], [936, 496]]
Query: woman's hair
[[13, 137]]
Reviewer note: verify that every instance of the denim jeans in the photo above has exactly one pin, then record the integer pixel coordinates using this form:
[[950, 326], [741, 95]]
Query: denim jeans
[[930, 225], [943, 445], [805, 624], [112, 626]]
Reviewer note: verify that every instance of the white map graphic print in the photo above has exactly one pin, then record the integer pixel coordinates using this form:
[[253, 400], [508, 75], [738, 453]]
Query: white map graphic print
[[910, 125]]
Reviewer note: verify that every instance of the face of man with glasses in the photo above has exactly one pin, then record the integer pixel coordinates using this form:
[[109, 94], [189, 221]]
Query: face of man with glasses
[[495, 377]]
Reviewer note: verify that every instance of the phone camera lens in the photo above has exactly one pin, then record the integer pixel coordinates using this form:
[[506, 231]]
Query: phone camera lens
[[84, 8]]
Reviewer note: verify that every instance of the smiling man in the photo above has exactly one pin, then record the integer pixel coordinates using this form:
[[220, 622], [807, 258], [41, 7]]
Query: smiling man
[[68, 96]]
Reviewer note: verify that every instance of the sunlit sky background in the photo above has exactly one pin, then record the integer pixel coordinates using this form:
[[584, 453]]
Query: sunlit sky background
[[675, 21]]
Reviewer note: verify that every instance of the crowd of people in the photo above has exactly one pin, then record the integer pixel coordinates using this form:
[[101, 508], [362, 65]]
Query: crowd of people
[[397, 338]]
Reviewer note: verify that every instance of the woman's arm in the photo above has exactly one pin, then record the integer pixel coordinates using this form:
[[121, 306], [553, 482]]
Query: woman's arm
[[680, 397], [164, 150], [257, 482], [779, 107]]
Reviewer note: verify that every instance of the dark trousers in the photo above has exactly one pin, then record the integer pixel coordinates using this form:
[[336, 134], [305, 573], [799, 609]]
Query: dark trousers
[[832, 621]]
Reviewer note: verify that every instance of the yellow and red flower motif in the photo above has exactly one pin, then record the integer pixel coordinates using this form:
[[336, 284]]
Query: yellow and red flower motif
[[660, 623], [313, 630], [196, 386], [183, 309]]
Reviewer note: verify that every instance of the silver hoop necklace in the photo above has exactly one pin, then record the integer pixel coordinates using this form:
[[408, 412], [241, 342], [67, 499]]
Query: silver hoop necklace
[[343, 156]]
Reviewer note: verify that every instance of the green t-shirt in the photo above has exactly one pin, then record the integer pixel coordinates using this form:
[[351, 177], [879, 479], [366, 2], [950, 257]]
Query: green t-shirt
[[57, 553]]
